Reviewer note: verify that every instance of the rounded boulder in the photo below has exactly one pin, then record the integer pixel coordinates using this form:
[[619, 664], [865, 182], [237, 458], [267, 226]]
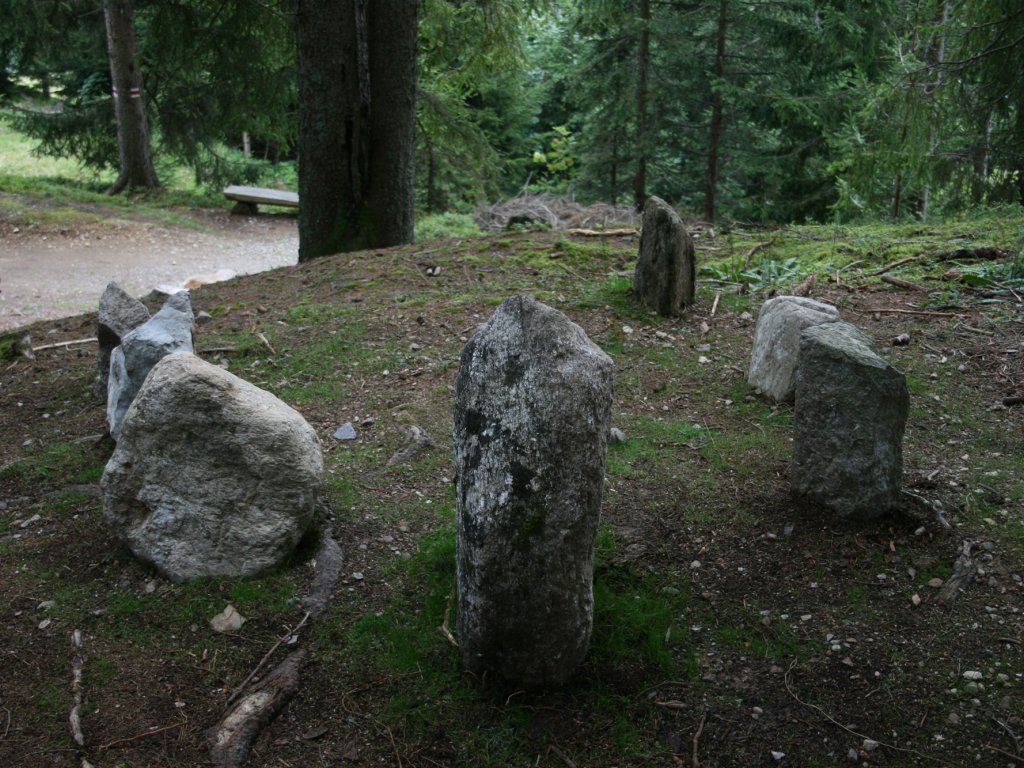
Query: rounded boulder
[[212, 476]]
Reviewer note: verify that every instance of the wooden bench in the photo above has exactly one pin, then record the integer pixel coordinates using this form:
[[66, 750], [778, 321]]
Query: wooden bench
[[247, 198]]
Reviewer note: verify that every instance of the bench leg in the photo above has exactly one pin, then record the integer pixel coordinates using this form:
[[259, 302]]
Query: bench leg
[[244, 209]]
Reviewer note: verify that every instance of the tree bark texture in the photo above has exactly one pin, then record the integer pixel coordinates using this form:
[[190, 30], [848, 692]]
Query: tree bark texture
[[644, 64], [357, 111], [135, 155], [714, 140]]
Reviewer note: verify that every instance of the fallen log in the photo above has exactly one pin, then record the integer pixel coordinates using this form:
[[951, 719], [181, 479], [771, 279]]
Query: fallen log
[[902, 283], [234, 736], [621, 232]]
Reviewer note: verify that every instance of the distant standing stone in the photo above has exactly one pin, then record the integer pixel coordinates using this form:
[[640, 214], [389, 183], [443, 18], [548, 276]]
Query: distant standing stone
[[119, 313], [665, 275], [212, 476], [850, 412], [532, 414], [167, 332], [777, 343]]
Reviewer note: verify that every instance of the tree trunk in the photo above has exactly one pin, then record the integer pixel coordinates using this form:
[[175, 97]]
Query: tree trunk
[[643, 65], [936, 57], [714, 140], [135, 155], [357, 111]]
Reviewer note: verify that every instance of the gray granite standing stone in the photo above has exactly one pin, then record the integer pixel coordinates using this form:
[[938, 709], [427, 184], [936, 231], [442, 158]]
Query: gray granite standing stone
[[119, 313], [211, 476], [665, 274], [532, 413], [777, 342], [167, 332], [850, 412]]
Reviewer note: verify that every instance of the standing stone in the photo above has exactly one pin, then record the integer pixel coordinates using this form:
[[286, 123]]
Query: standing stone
[[168, 331], [777, 342], [532, 412], [665, 275], [211, 476], [119, 313], [850, 412]]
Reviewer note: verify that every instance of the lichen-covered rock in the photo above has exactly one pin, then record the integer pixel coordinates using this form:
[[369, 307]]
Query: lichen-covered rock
[[212, 476], [167, 332], [119, 313], [665, 274], [850, 412], [777, 342], [532, 413]]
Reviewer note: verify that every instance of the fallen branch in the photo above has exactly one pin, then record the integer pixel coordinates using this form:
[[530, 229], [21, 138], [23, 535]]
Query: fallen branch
[[447, 616], [266, 656], [714, 305], [696, 740], [1008, 401], [77, 664], [60, 344], [921, 312], [902, 283], [750, 254], [849, 730], [984, 252], [889, 267], [136, 737], [1016, 758], [933, 507], [266, 343], [621, 232], [234, 736], [565, 758], [673, 704]]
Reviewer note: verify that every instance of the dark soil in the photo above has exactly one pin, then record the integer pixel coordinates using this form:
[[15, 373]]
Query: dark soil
[[792, 638]]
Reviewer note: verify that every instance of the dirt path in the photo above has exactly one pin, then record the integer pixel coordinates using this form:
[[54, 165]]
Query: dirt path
[[49, 272]]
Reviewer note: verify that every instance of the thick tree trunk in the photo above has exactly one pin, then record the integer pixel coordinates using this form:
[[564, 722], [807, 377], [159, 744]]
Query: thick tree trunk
[[710, 203], [644, 63], [357, 111], [136, 159]]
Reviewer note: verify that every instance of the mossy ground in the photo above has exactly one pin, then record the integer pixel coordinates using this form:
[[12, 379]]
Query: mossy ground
[[722, 605]]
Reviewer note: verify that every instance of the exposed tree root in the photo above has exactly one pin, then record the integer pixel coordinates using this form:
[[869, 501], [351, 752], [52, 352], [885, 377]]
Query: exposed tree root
[[256, 707]]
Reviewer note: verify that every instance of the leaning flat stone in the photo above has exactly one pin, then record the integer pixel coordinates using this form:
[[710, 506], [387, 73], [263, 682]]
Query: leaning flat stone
[[665, 274], [777, 343], [212, 476], [167, 332], [532, 415], [848, 420], [119, 313]]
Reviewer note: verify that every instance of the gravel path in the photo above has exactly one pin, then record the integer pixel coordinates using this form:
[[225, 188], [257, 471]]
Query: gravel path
[[49, 274]]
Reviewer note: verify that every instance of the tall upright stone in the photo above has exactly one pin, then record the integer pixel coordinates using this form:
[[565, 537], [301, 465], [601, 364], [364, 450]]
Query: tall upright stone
[[665, 275], [850, 412], [777, 342], [119, 313], [167, 332], [532, 411]]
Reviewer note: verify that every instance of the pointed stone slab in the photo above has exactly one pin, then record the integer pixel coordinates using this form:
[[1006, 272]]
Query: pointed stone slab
[[167, 332], [119, 313], [665, 274]]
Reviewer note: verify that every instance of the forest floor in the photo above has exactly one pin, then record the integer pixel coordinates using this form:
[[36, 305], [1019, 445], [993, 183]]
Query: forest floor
[[734, 625]]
